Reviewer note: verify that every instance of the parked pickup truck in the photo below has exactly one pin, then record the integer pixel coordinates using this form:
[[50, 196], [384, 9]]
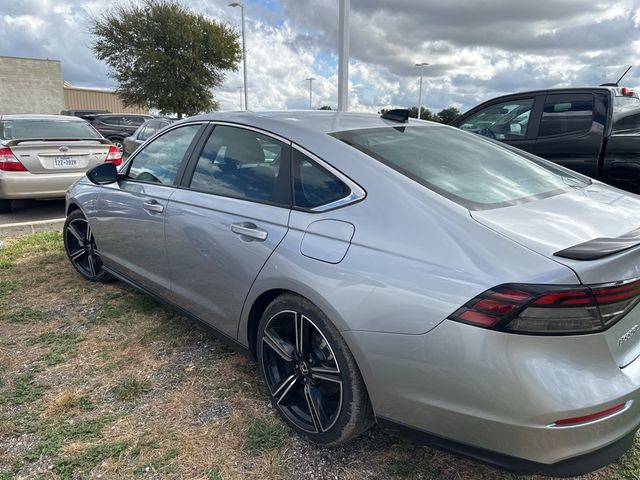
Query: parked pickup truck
[[594, 131]]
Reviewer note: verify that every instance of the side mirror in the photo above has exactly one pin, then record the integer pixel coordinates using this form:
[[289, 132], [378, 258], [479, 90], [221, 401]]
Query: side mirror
[[103, 174]]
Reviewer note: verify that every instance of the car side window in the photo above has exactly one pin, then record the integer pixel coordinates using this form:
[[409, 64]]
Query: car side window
[[111, 120], [158, 162], [502, 121], [240, 163], [565, 114], [313, 185], [149, 130]]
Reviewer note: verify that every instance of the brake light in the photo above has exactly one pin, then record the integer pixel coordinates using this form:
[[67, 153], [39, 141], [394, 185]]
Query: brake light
[[114, 156], [626, 92], [542, 309], [9, 162]]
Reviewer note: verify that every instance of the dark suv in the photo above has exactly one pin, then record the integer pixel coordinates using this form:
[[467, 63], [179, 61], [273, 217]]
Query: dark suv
[[117, 126]]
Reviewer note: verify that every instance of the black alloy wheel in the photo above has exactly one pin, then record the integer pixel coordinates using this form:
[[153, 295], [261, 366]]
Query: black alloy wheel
[[80, 246], [310, 373]]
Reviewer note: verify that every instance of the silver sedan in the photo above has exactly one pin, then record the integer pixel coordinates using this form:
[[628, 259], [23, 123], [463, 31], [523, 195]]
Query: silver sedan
[[383, 270]]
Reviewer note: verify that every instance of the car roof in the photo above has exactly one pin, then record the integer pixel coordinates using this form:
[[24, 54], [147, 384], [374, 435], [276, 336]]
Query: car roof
[[98, 115], [29, 116], [294, 124]]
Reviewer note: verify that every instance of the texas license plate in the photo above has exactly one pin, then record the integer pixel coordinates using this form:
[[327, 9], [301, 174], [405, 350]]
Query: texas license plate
[[65, 162]]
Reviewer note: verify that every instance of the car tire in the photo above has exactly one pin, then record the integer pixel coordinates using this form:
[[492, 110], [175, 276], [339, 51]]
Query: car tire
[[118, 142], [80, 247], [311, 376], [5, 206]]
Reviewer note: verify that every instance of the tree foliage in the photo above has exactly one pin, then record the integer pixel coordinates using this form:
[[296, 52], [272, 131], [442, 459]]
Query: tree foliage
[[164, 56], [325, 107]]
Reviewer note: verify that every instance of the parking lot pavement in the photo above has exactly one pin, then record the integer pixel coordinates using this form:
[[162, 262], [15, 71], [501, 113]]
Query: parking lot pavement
[[30, 216]]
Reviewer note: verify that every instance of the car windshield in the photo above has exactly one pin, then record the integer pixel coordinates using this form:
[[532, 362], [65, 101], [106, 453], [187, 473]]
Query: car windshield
[[32, 128], [470, 170]]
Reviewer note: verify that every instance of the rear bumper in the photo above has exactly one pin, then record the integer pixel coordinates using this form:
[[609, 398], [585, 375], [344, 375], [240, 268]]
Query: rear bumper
[[502, 393], [17, 185], [566, 468]]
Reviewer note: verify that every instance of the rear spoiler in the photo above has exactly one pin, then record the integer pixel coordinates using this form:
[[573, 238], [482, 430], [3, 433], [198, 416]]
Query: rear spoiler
[[17, 141], [601, 247]]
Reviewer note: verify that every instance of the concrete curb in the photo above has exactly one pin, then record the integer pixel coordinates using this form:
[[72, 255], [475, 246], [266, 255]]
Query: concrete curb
[[27, 228]]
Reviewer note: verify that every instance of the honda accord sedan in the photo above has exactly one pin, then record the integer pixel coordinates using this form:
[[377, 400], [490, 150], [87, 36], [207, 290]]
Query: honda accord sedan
[[380, 269]]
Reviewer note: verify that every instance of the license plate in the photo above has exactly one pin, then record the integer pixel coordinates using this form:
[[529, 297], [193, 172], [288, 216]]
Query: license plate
[[65, 162]]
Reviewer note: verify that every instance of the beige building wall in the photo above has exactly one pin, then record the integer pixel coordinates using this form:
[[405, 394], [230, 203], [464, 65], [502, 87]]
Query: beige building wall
[[30, 85], [77, 98]]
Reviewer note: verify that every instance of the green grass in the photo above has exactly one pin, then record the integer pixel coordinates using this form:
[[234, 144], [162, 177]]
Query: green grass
[[54, 434], [23, 315], [131, 388], [214, 474], [402, 469], [7, 287], [108, 311], [38, 243], [141, 303], [62, 346], [88, 459], [12, 471], [261, 436], [25, 390], [628, 466]]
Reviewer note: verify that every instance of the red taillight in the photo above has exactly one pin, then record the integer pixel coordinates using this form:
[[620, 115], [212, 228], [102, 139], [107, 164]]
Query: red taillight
[[114, 156], [591, 417], [626, 92], [539, 309], [8, 161]]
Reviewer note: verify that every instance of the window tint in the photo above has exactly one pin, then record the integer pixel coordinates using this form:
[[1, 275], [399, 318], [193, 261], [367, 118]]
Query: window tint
[[239, 163], [133, 121], [467, 169], [159, 161], [566, 114], [314, 186], [109, 120], [502, 121], [46, 129], [626, 114]]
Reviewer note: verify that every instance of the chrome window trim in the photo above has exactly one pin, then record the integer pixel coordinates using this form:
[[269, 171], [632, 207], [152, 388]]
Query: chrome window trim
[[356, 194]]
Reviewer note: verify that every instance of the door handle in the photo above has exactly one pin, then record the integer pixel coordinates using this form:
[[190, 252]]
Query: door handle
[[249, 230], [153, 206]]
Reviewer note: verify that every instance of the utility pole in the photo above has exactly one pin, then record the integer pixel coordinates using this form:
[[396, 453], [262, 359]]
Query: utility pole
[[421, 65], [244, 53], [310, 80], [343, 56]]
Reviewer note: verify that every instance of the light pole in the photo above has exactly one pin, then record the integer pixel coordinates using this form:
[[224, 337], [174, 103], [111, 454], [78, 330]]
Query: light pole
[[310, 80], [421, 65], [343, 55], [240, 89], [244, 53]]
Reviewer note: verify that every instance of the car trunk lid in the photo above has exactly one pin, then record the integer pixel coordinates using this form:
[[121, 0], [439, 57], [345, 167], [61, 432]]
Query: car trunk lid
[[59, 155], [598, 215]]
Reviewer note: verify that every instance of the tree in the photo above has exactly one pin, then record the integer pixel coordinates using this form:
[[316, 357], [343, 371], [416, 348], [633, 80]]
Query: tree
[[425, 114], [446, 115], [325, 107], [164, 56]]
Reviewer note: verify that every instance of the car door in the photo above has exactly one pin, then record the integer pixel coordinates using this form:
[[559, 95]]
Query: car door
[[129, 225], [513, 121], [571, 132], [223, 224]]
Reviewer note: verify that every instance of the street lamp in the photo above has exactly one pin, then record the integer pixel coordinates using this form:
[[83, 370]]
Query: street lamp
[[421, 65], [310, 80], [244, 53]]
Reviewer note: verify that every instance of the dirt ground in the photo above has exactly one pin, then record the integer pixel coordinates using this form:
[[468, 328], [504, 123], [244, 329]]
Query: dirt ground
[[99, 381]]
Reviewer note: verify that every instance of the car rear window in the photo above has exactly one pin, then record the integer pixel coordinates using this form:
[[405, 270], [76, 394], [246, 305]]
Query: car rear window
[[468, 169], [46, 129], [626, 114]]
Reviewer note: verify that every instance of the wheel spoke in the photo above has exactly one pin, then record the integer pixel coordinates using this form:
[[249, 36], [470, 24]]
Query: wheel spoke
[[93, 265], [314, 401], [280, 346], [299, 320], [283, 389], [77, 254], [327, 375], [88, 237], [75, 233]]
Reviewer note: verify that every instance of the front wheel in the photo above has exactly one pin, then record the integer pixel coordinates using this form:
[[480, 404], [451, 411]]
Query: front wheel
[[312, 378], [80, 246]]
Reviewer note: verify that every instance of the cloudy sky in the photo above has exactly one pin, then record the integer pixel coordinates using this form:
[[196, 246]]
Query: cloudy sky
[[477, 49]]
